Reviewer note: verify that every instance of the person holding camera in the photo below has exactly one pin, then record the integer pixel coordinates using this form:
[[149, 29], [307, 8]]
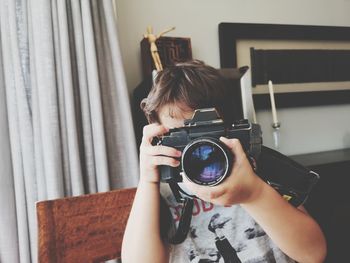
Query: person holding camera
[[240, 219]]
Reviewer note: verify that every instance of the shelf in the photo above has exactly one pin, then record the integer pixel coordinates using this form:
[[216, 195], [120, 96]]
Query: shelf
[[321, 158]]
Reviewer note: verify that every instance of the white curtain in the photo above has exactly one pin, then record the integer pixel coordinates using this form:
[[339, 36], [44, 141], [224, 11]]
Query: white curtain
[[65, 118]]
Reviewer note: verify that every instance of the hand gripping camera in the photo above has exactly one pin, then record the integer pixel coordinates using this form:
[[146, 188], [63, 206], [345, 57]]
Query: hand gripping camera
[[207, 161]]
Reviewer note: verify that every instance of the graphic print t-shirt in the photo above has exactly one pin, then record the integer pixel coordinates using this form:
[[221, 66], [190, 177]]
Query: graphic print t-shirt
[[218, 233]]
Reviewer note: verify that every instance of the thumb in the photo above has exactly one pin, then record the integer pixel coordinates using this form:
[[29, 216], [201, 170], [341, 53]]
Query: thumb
[[233, 144]]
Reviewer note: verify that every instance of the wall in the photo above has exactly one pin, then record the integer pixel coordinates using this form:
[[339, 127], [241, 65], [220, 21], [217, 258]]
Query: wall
[[304, 130]]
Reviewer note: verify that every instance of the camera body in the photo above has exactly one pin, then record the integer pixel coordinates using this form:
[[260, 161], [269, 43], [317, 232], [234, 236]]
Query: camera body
[[205, 159]]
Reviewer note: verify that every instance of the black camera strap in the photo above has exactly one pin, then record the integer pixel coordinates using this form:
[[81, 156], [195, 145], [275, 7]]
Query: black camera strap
[[184, 224], [290, 179], [179, 234]]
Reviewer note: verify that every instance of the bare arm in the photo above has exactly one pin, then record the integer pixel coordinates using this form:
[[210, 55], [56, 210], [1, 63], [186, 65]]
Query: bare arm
[[165, 31], [142, 239], [291, 229]]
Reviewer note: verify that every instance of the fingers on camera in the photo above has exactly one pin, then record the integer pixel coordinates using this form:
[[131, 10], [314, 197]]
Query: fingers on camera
[[162, 150], [153, 130], [233, 144], [164, 160]]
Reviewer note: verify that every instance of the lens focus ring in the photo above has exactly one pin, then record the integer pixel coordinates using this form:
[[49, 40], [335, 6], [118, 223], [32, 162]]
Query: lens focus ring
[[206, 161]]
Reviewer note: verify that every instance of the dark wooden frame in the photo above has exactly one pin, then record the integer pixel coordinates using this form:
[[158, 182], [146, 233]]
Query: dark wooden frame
[[164, 44], [229, 33]]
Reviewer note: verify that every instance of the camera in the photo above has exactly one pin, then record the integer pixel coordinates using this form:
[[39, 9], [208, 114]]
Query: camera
[[205, 159]]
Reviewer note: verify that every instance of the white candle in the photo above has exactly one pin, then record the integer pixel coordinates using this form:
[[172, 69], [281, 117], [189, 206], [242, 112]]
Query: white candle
[[254, 117], [273, 105]]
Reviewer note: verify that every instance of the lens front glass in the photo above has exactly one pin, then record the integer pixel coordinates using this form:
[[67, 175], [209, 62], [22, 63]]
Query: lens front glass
[[205, 163]]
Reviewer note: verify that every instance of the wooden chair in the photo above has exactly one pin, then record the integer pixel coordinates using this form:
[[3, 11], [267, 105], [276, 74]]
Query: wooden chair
[[87, 228]]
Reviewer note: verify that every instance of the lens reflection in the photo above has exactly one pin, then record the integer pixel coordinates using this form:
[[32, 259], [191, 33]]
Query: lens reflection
[[205, 163]]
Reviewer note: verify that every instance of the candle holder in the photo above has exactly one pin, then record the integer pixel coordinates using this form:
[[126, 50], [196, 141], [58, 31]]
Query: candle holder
[[276, 134], [276, 125]]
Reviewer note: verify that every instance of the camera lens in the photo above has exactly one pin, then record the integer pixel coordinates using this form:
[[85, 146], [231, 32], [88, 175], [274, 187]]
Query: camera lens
[[206, 161]]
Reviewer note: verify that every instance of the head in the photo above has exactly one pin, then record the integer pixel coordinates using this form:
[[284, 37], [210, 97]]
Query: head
[[149, 30], [180, 89]]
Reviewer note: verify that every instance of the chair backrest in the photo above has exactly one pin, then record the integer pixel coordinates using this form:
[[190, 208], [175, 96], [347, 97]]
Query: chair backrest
[[87, 228]]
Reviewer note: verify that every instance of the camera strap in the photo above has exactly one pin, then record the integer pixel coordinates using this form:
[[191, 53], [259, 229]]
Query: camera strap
[[179, 234], [184, 224], [293, 181]]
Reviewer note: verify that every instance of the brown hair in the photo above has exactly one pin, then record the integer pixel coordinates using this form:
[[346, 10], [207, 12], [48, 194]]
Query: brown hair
[[193, 84]]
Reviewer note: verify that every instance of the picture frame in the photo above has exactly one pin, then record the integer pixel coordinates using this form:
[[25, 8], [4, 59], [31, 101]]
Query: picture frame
[[170, 49], [236, 40]]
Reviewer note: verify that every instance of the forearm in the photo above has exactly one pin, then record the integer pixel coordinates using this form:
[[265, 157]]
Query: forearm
[[142, 240], [292, 230]]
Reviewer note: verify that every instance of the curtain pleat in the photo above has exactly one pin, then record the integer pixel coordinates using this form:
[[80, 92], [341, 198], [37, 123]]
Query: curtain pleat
[[21, 95], [68, 120], [86, 121], [72, 132], [39, 163], [61, 101], [43, 54], [9, 53], [106, 83], [8, 226], [100, 152], [128, 177]]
